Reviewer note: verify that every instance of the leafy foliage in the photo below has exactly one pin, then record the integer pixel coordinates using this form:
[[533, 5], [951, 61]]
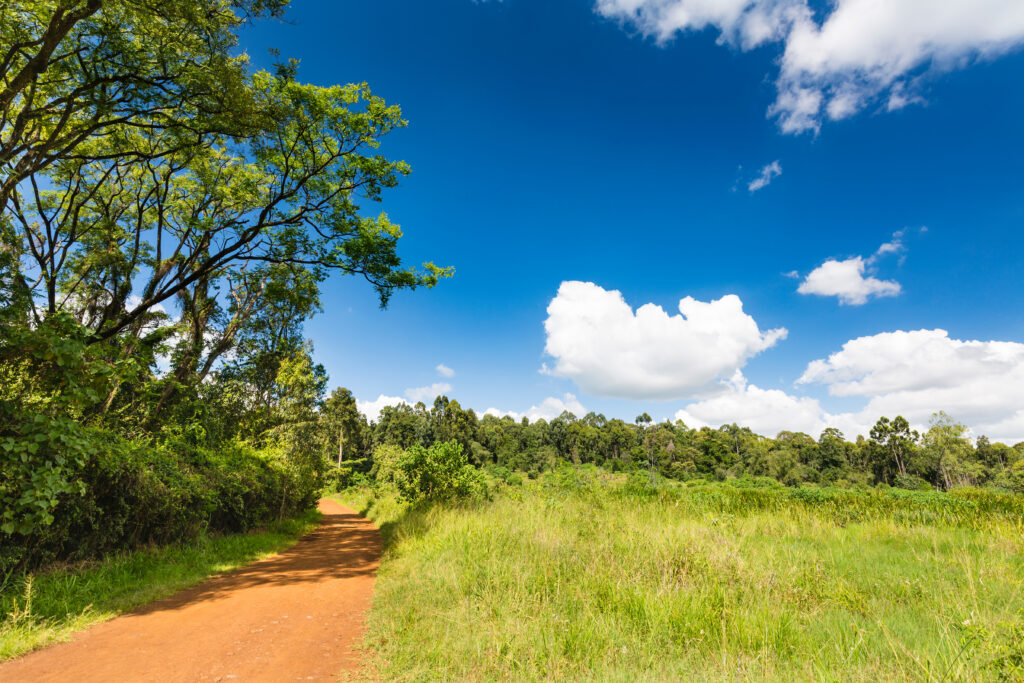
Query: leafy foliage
[[440, 473], [167, 216], [944, 458]]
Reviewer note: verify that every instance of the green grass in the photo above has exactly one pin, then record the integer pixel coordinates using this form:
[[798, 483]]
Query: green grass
[[51, 606], [595, 579]]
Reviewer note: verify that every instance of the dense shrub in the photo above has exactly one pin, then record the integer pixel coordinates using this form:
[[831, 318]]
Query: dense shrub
[[439, 473], [130, 494], [970, 508], [385, 463], [348, 474], [911, 483]]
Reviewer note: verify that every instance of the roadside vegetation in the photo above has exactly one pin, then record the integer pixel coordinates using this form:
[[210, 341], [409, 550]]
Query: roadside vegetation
[[167, 216], [585, 574], [943, 457]]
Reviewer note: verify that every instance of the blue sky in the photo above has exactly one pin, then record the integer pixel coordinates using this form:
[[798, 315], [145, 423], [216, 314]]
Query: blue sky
[[614, 143]]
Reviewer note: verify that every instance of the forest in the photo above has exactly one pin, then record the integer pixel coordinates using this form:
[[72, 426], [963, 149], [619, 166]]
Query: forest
[[942, 458]]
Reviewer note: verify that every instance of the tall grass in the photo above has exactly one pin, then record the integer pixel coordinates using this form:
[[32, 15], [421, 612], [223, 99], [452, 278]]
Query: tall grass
[[39, 609], [583, 578]]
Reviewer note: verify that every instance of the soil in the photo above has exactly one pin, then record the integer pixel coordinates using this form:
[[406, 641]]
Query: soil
[[296, 616]]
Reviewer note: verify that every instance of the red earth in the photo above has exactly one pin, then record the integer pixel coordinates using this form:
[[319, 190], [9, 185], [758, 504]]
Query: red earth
[[296, 616]]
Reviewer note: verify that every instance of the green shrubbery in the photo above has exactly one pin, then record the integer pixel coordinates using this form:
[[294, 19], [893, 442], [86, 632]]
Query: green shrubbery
[[154, 326], [128, 494], [440, 473]]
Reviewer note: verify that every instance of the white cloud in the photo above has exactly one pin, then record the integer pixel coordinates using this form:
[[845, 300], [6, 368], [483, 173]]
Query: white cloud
[[913, 361], [429, 393], [765, 411], [444, 370], [608, 350], [845, 279], [548, 409], [893, 246], [863, 52], [915, 374], [747, 23], [768, 173], [371, 409]]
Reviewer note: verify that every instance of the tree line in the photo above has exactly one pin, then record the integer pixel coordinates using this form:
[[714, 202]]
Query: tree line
[[893, 454]]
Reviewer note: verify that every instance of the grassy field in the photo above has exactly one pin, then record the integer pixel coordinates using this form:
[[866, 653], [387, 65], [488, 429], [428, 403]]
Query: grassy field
[[589, 577], [37, 610]]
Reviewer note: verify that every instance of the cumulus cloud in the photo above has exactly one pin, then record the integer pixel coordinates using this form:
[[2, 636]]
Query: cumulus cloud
[[863, 52], [914, 361], [548, 409], [371, 409], [444, 370], [768, 173], [847, 279], [765, 411], [918, 373], [598, 341], [915, 374], [429, 393]]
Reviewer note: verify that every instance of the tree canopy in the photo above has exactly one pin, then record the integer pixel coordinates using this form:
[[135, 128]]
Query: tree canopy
[[167, 217]]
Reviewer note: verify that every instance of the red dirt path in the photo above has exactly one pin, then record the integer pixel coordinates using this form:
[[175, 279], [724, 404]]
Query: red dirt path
[[293, 616]]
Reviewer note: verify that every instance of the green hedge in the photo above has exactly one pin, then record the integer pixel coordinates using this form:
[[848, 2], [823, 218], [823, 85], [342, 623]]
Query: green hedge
[[129, 495]]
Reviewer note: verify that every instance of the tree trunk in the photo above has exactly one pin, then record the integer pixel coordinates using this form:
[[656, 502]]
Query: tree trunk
[[899, 461], [341, 444]]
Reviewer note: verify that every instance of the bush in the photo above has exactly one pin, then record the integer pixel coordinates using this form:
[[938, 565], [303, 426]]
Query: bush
[[1015, 476], [912, 483], [385, 463], [440, 473], [131, 494], [350, 473]]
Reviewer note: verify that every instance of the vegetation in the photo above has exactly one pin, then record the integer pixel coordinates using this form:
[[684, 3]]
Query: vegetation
[[583, 574], [167, 215], [894, 455], [439, 473], [48, 607]]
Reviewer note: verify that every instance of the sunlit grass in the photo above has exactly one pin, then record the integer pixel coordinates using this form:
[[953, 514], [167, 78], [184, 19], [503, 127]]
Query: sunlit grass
[[556, 581], [48, 607]]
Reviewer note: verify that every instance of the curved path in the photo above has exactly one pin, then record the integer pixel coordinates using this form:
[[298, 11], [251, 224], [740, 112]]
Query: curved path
[[293, 616]]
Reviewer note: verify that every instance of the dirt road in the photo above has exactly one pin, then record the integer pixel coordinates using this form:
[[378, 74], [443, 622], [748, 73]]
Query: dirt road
[[294, 616]]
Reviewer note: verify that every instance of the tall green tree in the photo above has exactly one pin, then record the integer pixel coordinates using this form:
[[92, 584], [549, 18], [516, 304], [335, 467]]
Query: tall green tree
[[166, 219], [344, 427], [74, 72], [950, 454], [893, 443]]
